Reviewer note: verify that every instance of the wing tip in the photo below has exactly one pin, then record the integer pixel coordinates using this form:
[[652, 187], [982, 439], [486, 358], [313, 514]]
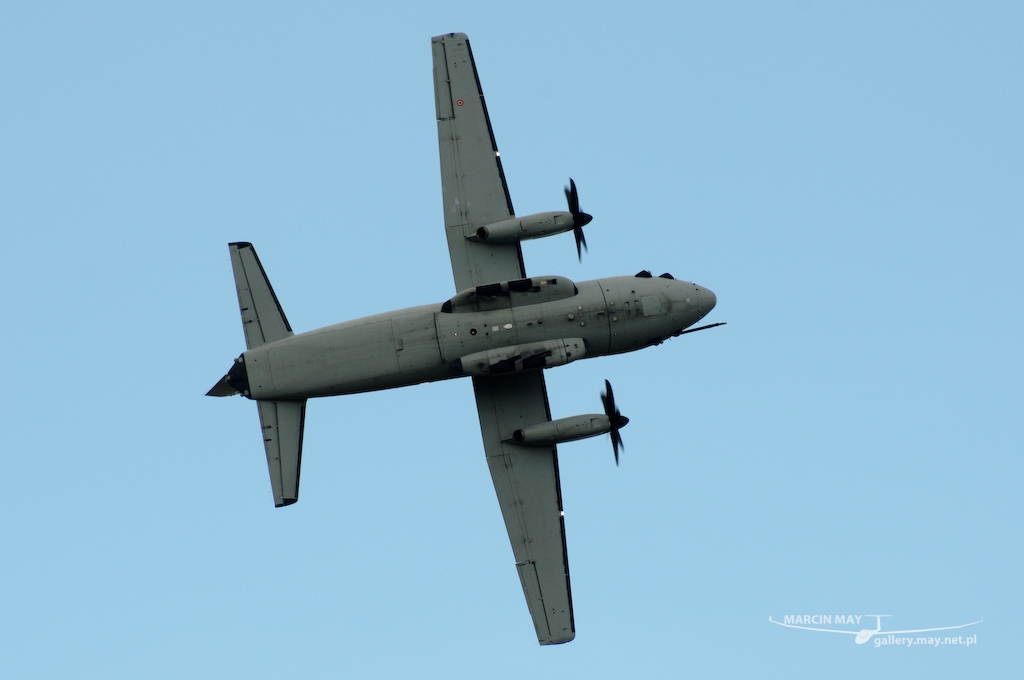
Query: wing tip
[[450, 36], [568, 636]]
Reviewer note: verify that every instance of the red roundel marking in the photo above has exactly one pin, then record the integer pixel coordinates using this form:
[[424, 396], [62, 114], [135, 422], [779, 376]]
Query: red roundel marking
[[460, 102]]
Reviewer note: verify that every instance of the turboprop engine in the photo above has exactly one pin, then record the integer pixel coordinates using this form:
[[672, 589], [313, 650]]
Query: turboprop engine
[[577, 427], [522, 357], [539, 225], [563, 430], [525, 228]]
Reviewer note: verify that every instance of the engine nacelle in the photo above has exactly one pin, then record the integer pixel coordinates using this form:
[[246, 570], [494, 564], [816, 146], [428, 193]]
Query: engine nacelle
[[563, 430], [518, 229], [522, 357]]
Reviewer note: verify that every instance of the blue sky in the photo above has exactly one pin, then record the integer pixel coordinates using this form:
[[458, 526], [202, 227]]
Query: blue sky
[[847, 179]]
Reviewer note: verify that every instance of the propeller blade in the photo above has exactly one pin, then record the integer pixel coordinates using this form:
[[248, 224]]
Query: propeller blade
[[572, 197], [579, 219], [617, 420], [608, 398], [580, 240]]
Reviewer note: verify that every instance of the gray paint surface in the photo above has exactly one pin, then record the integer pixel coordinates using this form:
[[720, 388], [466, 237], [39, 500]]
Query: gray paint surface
[[529, 494], [472, 179], [263, 320], [421, 344], [282, 423]]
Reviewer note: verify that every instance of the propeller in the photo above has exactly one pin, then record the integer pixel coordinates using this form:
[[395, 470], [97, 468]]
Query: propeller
[[617, 419], [579, 219]]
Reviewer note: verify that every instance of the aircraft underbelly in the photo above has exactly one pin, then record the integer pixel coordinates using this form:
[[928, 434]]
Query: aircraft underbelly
[[420, 344], [378, 352], [635, 311], [466, 333], [581, 316], [330, 362], [416, 347]]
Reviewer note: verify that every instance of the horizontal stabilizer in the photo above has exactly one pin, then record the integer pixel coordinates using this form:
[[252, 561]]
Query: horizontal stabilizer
[[262, 316], [282, 423]]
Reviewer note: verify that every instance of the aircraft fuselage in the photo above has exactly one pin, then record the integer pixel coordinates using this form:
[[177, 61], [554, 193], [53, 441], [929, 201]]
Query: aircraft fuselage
[[428, 343]]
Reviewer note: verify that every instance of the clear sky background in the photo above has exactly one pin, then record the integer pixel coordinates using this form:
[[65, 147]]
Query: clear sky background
[[847, 179]]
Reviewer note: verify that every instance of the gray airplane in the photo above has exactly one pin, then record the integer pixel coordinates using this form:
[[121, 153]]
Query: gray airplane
[[502, 329]]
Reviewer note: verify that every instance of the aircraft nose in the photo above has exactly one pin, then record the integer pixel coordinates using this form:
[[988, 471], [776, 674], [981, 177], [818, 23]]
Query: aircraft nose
[[708, 300]]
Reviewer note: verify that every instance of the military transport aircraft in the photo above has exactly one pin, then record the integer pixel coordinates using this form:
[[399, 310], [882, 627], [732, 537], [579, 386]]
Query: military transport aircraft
[[501, 328]]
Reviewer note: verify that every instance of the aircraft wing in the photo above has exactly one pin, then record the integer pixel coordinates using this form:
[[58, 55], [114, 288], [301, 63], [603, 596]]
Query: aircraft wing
[[472, 180], [526, 480]]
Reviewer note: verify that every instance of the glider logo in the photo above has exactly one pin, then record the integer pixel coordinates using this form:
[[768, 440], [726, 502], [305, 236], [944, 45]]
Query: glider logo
[[883, 637]]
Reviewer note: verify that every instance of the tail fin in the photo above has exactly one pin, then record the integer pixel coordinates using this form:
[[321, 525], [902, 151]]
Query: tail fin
[[263, 318]]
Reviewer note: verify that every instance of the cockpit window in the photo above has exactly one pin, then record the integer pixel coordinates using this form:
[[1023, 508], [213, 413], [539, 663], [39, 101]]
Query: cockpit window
[[645, 274], [666, 275]]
